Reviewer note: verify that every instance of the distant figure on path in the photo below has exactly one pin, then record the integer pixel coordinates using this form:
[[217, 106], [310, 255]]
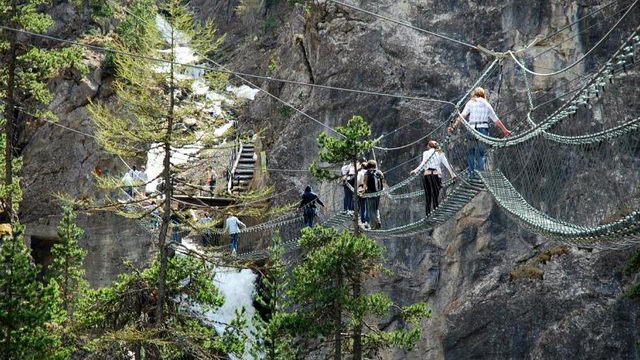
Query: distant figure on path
[[211, 180], [348, 175], [308, 204], [232, 225], [373, 183], [362, 202], [206, 233]]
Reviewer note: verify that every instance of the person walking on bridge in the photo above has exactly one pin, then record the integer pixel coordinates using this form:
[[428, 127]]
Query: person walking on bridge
[[432, 161], [232, 225], [373, 183], [348, 173], [478, 112], [308, 204]]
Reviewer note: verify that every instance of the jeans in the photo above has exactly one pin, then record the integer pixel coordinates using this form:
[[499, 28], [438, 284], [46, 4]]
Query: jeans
[[176, 235], [348, 198], [373, 212], [364, 214], [234, 241], [206, 239], [476, 152]]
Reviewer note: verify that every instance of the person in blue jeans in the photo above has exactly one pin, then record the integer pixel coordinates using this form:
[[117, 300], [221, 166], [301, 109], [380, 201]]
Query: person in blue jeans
[[308, 205], [232, 225], [478, 113]]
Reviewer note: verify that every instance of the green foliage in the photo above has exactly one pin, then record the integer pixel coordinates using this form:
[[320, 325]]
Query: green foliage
[[323, 286], [355, 142], [271, 338], [634, 292], [34, 65], [269, 24], [30, 311], [120, 318], [66, 268], [633, 264], [271, 69]]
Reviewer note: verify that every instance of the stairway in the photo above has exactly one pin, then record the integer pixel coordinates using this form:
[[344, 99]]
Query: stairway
[[243, 172]]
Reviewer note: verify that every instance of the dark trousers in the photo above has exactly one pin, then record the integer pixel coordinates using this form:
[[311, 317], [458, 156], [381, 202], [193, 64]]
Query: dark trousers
[[432, 185], [373, 212], [309, 216], [348, 198]]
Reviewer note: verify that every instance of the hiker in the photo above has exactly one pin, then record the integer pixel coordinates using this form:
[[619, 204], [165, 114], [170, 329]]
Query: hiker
[[308, 204], [373, 183], [362, 202], [127, 181], [206, 233], [211, 179], [141, 179], [348, 173], [133, 172], [432, 160], [478, 112], [176, 222], [232, 225]]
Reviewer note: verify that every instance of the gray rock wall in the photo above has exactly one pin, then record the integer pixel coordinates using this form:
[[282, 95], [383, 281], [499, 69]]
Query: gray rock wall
[[573, 306]]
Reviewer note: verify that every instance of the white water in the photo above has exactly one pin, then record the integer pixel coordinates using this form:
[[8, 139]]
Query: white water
[[237, 286]]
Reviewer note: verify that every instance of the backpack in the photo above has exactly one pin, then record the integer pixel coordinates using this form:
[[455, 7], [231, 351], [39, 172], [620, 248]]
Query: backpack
[[374, 180]]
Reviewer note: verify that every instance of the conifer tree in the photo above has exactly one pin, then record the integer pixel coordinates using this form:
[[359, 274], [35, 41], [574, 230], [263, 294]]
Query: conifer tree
[[119, 319], [353, 142], [150, 108], [30, 313], [272, 339], [66, 268], [323, 287], [24, 73]]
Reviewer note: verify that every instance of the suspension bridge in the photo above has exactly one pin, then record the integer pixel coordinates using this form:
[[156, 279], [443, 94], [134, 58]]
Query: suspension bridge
[[525, 168]]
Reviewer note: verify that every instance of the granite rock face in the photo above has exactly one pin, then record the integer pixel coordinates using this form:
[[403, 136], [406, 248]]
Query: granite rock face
[[572, 306], [493, 297]]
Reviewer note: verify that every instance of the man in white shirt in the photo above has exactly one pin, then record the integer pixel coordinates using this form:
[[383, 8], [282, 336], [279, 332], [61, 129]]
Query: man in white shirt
[[478, 112]]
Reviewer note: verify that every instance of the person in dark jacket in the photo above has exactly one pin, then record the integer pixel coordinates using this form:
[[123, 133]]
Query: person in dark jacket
[[308, 204]]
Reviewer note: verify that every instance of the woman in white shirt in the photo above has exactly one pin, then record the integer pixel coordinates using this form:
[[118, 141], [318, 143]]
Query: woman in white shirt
[[432, 161]]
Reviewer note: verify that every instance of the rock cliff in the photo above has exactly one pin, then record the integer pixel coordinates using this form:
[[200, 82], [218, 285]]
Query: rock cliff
[[497, 291]]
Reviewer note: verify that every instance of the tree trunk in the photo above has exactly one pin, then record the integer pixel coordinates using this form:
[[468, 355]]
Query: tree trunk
[[168, 192], [338, 320], [10, 113], [357, 288]]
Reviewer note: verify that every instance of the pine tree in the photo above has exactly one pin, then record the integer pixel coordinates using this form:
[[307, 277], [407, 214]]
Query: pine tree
[[272, 339], [120, 319], [323, 282], [150, 106], [24, 75], [66, 268], [30, 314], [354, 142]]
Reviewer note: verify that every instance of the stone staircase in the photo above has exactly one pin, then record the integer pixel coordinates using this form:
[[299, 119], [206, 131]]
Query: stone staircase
[[244, 169]]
